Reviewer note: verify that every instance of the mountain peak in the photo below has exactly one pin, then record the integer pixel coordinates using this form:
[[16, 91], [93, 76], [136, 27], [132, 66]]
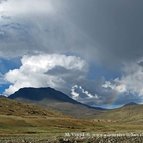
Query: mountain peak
[[38, 94]]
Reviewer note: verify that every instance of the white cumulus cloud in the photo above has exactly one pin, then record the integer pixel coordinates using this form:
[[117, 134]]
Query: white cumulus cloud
[[132, 79], [130, 82], [80, 94], [44, 70], [115, 85]]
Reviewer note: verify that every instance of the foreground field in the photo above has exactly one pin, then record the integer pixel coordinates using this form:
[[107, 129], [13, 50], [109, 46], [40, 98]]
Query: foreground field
[[28, 123], [46, 139], [33, 129]]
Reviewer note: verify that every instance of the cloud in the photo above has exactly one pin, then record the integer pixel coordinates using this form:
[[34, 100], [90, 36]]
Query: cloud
[[74, 94], [2, 81], [115, 85], [104, 33], [114, 26], [129, 86], [25, 7], [132, 78], [2, 1], [81, 95], [96, 30], [34, 72], [65, 73], [98, 97], [26, 30]]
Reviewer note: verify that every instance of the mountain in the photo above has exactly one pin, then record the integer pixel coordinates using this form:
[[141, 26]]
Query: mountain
[[38, 94], [51, 98]]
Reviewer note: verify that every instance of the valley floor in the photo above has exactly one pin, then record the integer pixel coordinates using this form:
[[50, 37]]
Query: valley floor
[[36, 129]]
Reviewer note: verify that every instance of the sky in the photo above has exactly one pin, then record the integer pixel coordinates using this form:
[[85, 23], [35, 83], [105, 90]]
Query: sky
[[92, 50]]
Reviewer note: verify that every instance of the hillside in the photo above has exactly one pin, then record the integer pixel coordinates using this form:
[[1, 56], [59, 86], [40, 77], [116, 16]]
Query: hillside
[[15, 108], [53, 99], [129, 113], [20, 120], [23, 122]]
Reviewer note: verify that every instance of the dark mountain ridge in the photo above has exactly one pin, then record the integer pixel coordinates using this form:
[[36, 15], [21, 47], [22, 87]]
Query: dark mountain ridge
[[38, 94], [51, 98]]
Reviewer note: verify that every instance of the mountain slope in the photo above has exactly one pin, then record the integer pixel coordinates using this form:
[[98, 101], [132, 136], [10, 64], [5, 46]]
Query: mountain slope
[[38, 94], [51, 98], [130, 112], [130, 104], [17, 118], [15, 108]]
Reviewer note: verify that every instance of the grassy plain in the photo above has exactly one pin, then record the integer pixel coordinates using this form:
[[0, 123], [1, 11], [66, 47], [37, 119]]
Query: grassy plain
[[32, 124]]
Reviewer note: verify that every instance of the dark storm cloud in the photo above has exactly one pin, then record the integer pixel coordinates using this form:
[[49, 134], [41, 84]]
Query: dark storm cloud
[[115, 26], [108, 31], [127, 98]]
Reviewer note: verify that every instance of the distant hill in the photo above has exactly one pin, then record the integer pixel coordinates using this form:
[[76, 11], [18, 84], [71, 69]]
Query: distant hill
[[2, 96], [51, 98], [129, 113], [130, 104]]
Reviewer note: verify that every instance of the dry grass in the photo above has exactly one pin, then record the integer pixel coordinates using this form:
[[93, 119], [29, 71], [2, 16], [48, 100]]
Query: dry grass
[[29, 123]]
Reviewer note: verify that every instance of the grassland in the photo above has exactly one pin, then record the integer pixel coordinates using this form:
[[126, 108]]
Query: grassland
[[16, 129], [29, 123], [131, 114]]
